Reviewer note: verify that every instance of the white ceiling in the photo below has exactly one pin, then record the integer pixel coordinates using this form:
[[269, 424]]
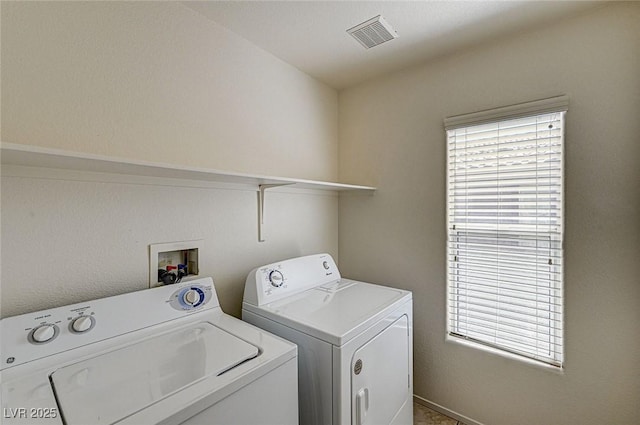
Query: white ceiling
[[311, 35]]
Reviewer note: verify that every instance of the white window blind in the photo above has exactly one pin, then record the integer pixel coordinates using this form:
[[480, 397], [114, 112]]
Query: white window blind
[[505, 227]]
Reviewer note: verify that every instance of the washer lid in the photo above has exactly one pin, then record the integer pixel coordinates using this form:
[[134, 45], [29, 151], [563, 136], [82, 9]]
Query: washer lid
[[337, 311], [114, 385]]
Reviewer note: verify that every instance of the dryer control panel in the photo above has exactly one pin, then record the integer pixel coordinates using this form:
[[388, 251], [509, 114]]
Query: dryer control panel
[[36, 335], [275, 281]]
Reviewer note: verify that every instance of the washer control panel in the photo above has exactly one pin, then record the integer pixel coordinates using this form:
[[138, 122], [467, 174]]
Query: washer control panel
[[82, 324], [45, 327], [190, 297], [41, 334], [44, 333]]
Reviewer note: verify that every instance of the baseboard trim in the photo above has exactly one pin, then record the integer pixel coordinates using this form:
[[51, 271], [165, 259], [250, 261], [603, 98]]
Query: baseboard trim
[[441, 409]]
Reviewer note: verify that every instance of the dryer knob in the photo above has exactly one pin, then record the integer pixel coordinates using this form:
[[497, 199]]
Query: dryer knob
[[276, 278], [191, 297], [44, 333], [82, 324]]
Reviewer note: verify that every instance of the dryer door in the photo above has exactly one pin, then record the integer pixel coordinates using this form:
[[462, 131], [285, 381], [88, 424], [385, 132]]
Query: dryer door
[[380, 376]]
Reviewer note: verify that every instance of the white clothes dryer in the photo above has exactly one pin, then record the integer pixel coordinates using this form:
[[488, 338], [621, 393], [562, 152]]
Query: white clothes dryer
[[165, 355], [355, 343]]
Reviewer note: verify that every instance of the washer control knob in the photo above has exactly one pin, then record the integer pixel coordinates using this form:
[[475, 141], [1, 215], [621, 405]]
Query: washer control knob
[[44, 333], [191, 297], [276, 278], [82, 324]]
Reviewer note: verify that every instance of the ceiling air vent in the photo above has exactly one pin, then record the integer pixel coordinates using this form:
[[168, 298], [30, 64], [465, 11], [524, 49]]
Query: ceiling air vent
[[373, 32]]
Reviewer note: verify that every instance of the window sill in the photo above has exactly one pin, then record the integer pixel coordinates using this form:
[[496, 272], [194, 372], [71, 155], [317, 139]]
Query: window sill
[[540, 365]]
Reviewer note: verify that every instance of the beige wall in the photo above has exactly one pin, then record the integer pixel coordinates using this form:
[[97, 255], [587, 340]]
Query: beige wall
[[391, 135], [159, 82], [73, 236]]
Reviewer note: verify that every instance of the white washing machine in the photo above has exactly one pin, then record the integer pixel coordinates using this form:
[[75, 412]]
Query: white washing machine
[[355, 361], [165, 355]]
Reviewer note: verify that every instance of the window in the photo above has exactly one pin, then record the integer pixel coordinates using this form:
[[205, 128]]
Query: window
[[505, 226]]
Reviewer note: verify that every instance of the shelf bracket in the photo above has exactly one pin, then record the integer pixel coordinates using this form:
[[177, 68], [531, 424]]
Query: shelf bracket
[[261, 190]]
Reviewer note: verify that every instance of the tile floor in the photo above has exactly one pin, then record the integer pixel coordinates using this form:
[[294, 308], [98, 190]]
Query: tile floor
[[424, 416]]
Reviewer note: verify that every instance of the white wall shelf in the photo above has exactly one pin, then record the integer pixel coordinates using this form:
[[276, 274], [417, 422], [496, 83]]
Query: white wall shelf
[[35, 156]]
